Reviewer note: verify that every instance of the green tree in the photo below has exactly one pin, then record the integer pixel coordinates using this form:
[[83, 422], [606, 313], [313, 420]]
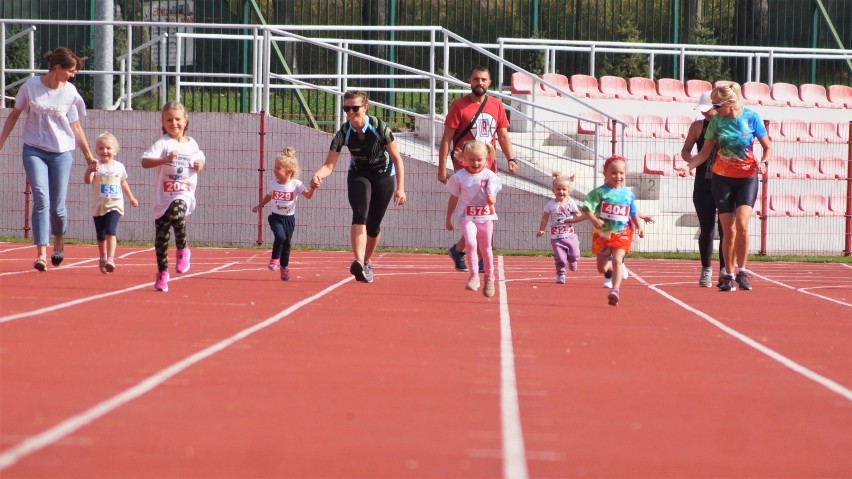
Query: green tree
[[705, 68], [624, 65]]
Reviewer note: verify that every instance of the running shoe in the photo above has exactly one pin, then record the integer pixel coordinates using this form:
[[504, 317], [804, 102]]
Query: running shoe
[[273, 264], [625, 273], [40, 264], [368, 272], [109, 265], [572, 266], [57, 257], [608, 279], [162, 282], [613, 297], [723, 273], [472, 283], [729, 284], [102, 265], [285, 274], [742, 280], [705, 281], [183, 264], [488, 290], [458, 258], [357, 270], [560, 278]]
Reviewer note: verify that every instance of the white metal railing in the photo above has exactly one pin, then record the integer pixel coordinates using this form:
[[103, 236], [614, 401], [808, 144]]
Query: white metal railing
[[754, 55]]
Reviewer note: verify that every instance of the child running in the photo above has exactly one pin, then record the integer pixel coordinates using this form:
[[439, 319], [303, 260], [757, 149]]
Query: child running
[[283, 191], [561, 212], [177, 160], [109, 187], [473, 193], [612, 209]]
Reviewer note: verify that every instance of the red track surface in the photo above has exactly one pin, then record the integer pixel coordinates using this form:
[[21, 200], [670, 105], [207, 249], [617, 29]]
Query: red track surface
[[234, 373]]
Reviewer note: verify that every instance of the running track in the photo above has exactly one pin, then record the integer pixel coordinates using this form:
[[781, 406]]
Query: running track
[[233, 373]]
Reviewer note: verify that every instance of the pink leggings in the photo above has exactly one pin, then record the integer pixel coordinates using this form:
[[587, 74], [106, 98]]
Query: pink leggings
[[478, 232]]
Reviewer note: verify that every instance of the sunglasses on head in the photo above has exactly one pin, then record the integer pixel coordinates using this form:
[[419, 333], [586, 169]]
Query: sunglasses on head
[[348, 108], [716, 106]]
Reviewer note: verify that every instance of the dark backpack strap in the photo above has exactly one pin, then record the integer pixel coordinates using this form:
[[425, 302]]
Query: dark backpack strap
[[470, 125]]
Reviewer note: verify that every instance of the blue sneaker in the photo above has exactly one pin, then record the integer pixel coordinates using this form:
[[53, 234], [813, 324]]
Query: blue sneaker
[[458, 258]]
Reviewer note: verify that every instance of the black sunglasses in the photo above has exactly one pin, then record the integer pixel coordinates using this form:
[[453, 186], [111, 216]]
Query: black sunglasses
[[348, 108]]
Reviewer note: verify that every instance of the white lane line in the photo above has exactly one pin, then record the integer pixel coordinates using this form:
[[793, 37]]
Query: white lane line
[[771, 353], [72, 424], [801, 290], [514, 454], [16, 249], [75, 302]]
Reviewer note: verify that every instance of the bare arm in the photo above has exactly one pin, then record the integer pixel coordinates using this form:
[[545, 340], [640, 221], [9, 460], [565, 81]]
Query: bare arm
[[326, 169], [125, 187], [451, 207], [155, 162], [309, 192], [82, 143], [443, 151], [690, 140], [396, 158], [9, 125], [544, 217], [696, 160], [266, 198], [89, 174], [767, 154], [506, 146]]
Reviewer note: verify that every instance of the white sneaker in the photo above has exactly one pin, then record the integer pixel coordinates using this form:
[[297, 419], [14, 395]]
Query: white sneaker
[[472, 283], [625, 273], [607, 283]]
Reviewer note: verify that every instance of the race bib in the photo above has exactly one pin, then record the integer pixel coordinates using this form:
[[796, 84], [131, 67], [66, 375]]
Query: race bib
[[561, 231], [283, 196], [176, 186], [474, 212], [110, 187], [620, 213]]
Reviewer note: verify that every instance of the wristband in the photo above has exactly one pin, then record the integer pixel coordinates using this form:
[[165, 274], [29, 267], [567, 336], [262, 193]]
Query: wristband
[[90, 156], [765, 163], [510, 160]]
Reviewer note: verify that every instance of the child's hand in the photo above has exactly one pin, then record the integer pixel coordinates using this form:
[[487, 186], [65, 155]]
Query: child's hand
[[449, 224], [492, 199], [682, 171], [540, 233], [254, 209], [316, 182], [640, 232], [198, 165], [134, 202], [597, 222], [647, 218]]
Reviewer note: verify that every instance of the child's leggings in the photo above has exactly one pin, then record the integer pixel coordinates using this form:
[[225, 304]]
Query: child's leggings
[[282, 228], [174, 217], [565, 250], [478, 232]]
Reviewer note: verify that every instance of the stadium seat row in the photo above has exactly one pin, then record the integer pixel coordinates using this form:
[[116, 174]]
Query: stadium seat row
[[781, 204], [797, 167], [670, 89], [676, 126]]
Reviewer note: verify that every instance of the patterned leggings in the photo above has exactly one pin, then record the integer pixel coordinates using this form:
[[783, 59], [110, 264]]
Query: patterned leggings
[[175, 217]]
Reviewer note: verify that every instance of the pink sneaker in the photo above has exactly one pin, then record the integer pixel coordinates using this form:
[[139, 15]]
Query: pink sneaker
[[273, 265], [285, 274], [162, 283], [182, 265]]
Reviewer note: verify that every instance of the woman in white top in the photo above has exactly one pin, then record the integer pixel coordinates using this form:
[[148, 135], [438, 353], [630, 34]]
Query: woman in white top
[[51, 129]]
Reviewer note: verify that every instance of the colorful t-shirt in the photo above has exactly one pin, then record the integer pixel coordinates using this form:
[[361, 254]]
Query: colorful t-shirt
[[50, 113], [735, 155], [614, 206], [472, 190], [561, 215], [369, 154], [176, 180], [492, 118], [284, 196], [106, 188]]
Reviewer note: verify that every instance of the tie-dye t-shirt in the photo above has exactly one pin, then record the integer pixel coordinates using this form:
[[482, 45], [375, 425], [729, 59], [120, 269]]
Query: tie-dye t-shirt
[[735, 156], [614, 206]]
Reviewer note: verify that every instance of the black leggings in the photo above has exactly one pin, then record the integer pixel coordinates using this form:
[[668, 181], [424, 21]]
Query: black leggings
[[175, 217], [369, 198], [705, 208]]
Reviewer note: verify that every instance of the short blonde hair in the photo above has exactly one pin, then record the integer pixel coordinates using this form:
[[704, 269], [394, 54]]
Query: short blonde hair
[[559, 179], [287, 160], [107, 136]]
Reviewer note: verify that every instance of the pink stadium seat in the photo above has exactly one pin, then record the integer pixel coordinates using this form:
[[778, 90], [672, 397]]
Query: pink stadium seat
[[784, 205], [833, 167], [719, 83], [617, 86], [840, 95], [694, 88], [587, 85], [788, 93], [557, 79], [837, 205], [843, 131], [773, 129], [824, 132], [644, 87], [672, 88], [813, 205], [656, 163], [759, 92], [779, 167], [522, 84], [630, 128], [796, 130], [678, 125], [805, 167], [814, 95], [587, 127], [652, 125]]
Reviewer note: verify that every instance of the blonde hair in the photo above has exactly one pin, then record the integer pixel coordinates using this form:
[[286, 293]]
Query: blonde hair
[[732, 92], [175, 105], [477, 146], [287, 160], [107, 136], [559, 179]]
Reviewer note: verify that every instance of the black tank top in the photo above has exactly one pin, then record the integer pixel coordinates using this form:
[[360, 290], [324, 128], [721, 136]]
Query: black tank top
[[702, 171]]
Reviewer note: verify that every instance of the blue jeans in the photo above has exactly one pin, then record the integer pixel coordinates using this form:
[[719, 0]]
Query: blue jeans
[[48, 174]]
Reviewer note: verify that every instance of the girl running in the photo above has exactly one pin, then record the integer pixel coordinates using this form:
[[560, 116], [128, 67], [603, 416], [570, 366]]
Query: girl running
[[561, 212]]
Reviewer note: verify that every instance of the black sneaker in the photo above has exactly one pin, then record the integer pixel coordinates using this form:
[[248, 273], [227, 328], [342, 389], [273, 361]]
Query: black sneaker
[[357, 270], [729, 284], [57, 257], [481, 266], [458, 258], [742, 280]]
